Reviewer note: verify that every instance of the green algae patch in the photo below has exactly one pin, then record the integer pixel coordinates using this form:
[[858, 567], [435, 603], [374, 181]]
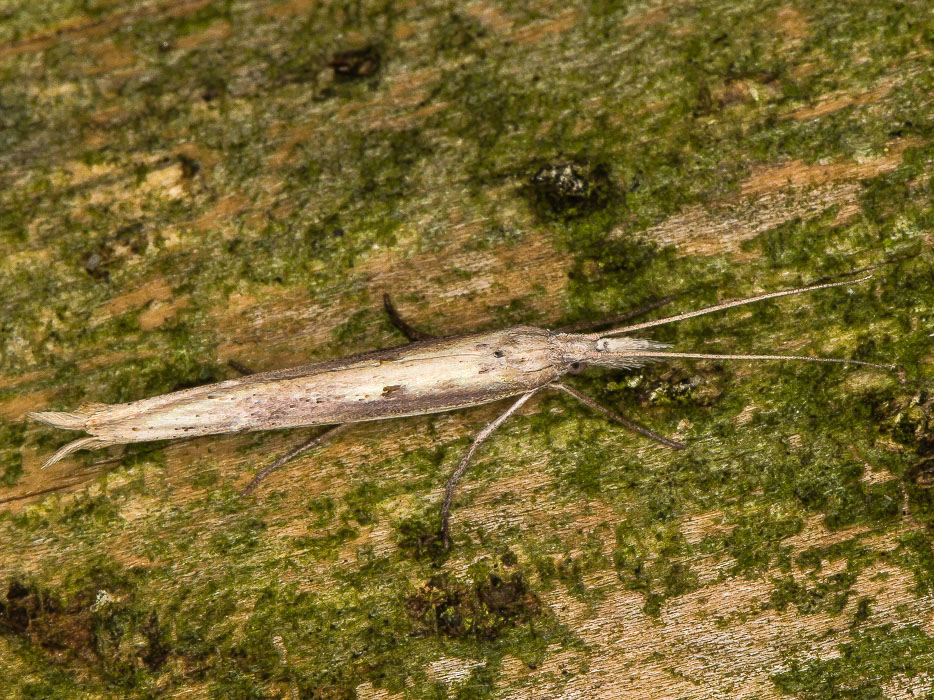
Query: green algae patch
[[914, 551], [864, 667], [302, 154], [96, 621], [12, 438], [826, 595], [652, 563], [755, 542], [419, 536], [442, 606]]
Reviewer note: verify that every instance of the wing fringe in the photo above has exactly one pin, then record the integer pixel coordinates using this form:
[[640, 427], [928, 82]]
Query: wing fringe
[[87, 443], [60, 419], [75, 420]]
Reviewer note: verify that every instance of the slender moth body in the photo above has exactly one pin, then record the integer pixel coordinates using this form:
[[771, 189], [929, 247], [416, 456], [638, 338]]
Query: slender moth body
[[426, 376]]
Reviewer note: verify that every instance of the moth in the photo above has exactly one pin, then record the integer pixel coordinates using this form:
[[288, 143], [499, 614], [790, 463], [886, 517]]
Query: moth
[[429, 375]]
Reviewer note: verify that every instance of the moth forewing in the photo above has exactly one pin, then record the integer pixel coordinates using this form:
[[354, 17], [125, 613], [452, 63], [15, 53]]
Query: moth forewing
[[424, 377]]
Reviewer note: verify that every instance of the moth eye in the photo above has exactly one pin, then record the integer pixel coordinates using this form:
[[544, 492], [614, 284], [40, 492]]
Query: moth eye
[[498, 353], [575, 366]]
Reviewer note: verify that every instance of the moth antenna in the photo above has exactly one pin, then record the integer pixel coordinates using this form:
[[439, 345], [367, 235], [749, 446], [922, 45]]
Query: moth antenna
[[721, 307], [650, 354]]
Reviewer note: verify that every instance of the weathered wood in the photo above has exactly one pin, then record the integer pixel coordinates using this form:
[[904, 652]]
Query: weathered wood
[[190, 182]]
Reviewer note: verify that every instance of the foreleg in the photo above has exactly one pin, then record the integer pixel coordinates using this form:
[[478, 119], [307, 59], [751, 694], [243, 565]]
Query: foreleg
[[408, 331], [613, 415]]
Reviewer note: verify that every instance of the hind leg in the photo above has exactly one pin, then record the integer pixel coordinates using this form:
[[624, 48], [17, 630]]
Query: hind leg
[[292, 454]]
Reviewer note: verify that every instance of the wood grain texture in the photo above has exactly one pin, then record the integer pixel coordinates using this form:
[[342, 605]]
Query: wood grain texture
[[187, 183]]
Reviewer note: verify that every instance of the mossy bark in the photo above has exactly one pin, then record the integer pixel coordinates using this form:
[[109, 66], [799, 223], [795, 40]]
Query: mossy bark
[[189, 182]]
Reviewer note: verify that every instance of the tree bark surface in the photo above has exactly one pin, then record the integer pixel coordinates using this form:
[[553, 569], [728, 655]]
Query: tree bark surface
[[187, 183]]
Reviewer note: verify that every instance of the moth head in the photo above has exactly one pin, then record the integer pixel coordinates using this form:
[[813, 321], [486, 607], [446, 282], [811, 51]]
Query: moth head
[[628, 353], [622, 353], [578, 351]]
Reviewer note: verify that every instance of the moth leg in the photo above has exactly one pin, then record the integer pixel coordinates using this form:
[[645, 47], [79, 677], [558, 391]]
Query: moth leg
[[292, 454], [465, 461], [613, 415], [625, 316], [412, 334], [242, 369]]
